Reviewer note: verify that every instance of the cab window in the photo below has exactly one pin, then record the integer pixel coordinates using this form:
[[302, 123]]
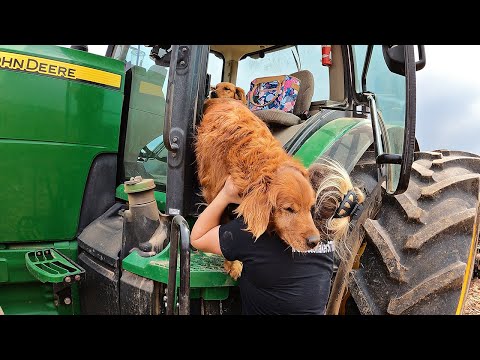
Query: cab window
[[282, 62], [144, 152]]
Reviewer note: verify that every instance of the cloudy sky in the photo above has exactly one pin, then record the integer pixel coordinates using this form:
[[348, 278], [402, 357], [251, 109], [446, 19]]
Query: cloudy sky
[[448, 97]]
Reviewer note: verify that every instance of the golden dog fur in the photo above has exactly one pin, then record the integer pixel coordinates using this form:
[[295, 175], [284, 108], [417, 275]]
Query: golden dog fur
[[275, 188], [228, 90]]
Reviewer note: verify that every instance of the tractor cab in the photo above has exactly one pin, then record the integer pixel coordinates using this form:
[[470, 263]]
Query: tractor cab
[[165, 87], [129, 125]]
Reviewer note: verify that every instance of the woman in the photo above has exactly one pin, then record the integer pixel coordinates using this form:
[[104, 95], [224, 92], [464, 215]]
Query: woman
[[276, 279]]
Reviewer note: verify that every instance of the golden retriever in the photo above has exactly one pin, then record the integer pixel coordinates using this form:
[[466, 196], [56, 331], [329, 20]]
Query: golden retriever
[[275, 188], [228, 90]]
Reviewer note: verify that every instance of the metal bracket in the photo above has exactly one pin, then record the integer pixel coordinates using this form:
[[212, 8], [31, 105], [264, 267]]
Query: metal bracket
[[389, 159], [62, 292], [183, 57]]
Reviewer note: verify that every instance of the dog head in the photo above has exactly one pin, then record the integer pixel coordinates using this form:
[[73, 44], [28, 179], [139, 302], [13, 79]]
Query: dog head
[[229, 91], [283, 204]]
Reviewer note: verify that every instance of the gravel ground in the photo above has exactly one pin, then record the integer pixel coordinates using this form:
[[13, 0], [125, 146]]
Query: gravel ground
[[472, 304]]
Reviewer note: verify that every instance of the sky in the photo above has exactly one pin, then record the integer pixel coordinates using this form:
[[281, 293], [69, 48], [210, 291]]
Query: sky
[[448, 97]]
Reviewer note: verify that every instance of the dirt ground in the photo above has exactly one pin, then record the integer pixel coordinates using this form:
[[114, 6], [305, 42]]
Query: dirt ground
[[472, 304]]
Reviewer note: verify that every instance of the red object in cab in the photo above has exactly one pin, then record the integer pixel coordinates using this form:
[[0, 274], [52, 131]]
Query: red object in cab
[[326, 55]]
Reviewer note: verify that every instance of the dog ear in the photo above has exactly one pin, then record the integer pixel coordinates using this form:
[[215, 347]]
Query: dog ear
[[240, 95], [256, 208]]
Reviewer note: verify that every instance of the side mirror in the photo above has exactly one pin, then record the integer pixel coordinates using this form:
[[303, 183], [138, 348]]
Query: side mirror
[[161, 54], [388, 84], [395, 58]]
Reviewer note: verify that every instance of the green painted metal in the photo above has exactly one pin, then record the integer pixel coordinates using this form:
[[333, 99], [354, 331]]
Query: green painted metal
[[49, 265], [13, 255], [51, 130], [208, 293], [20, 292], [35, 299], [43, 198], [28, 299], [160, 197], [325, 137], [213, 293], [61, 53], [206, 271]]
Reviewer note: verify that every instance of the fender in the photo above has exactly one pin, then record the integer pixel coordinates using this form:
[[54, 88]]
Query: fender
[[343, 139]]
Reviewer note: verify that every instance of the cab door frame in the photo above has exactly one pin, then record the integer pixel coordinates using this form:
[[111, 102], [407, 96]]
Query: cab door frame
[[186, 93], [385, 160]]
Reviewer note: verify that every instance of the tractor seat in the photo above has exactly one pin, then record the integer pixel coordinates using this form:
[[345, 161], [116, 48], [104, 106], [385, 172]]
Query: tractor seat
[[304, 99]]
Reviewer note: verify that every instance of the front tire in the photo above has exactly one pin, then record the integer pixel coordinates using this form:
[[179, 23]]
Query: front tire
[[421, 245]]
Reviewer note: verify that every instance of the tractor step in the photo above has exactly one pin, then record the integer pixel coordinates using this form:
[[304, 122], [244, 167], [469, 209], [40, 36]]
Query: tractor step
[[51, 266], [208, 279]]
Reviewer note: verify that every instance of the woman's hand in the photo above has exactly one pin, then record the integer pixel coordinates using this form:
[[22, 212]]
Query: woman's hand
[[230, 191]]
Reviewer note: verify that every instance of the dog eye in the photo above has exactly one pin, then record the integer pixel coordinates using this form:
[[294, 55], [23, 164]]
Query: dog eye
[[289, 209], [227, 89]]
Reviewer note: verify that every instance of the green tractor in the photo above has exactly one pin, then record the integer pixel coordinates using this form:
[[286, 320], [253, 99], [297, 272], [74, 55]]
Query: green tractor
[[99, 185]]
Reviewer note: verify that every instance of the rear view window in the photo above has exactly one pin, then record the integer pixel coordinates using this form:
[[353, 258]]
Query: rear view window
[[282, 62]]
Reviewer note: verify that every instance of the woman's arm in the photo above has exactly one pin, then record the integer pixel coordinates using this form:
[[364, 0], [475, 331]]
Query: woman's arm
[[204, 235]]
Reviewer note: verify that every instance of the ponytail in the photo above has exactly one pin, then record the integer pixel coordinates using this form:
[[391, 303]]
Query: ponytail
[[332, 183]]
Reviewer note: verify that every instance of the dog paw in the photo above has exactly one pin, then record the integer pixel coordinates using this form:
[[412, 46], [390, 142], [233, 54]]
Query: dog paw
[[233, 268]]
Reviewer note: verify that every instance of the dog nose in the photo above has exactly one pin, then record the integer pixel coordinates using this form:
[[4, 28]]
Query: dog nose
[[312, 241], [213, 94]]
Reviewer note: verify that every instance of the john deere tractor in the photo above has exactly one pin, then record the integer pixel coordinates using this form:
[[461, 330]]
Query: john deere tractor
[[99, 187]]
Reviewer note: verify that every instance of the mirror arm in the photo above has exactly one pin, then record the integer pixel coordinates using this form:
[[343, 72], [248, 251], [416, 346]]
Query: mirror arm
[[376, 130], [375, 124], [422, 60], [366, 64], [389, 159]]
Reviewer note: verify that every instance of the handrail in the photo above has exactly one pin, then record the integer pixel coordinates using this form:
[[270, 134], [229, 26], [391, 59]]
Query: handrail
[[179, 232]]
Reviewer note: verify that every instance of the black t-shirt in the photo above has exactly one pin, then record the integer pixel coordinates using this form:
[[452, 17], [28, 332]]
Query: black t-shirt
[[276, 280]]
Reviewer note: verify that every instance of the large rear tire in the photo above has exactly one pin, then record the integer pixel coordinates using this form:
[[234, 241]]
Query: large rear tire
[[421, 246]]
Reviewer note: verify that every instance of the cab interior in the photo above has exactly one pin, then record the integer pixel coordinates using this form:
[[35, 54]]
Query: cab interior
[[238, 61], [146, 87]]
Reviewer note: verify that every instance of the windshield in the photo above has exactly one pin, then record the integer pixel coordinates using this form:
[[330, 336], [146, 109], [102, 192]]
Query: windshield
[[282, 62]]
